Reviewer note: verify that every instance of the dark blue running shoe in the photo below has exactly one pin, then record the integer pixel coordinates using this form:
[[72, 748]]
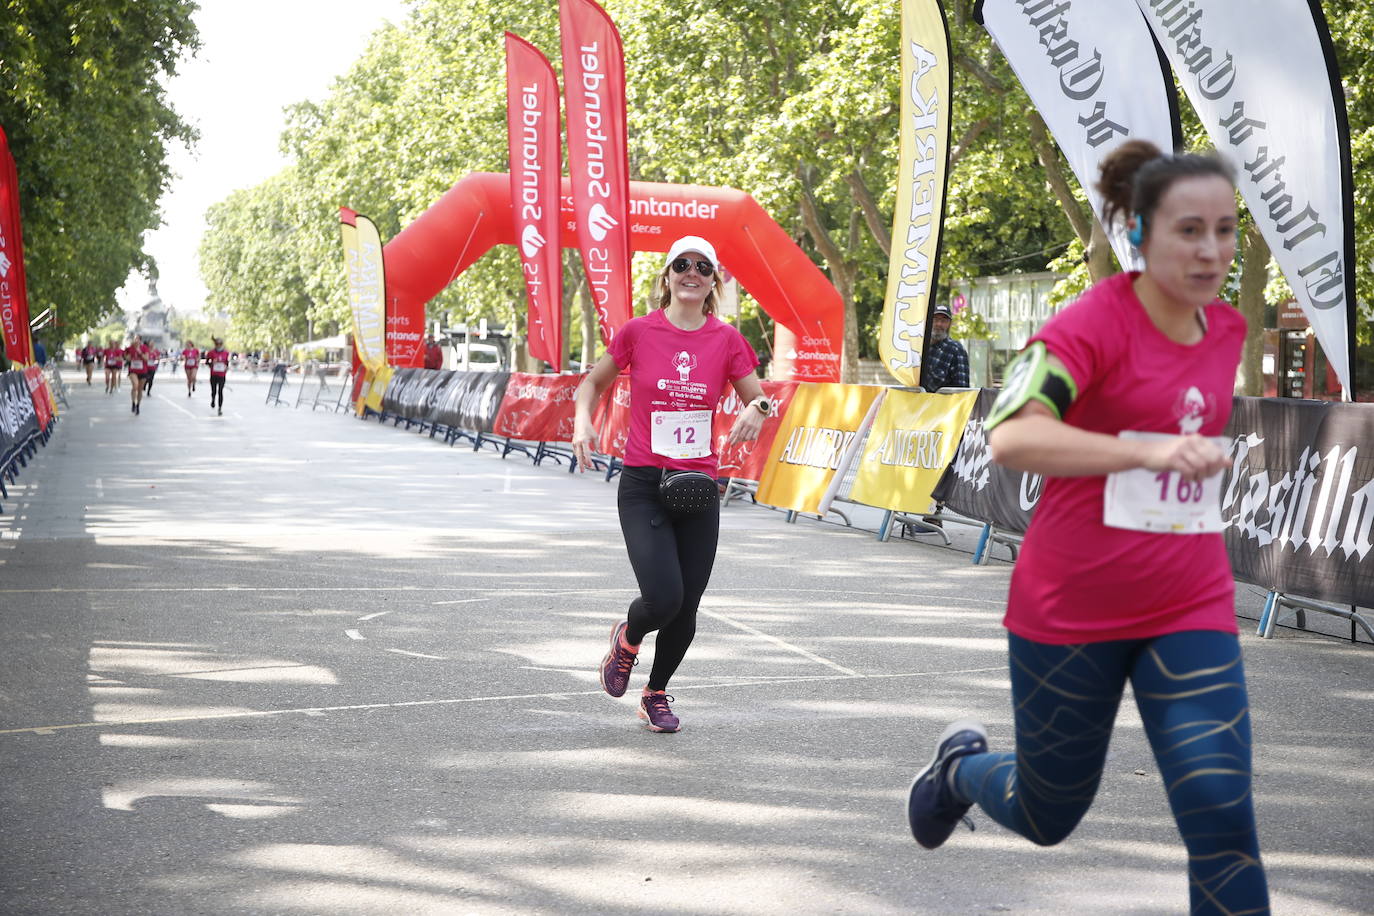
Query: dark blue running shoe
[[932, 808]]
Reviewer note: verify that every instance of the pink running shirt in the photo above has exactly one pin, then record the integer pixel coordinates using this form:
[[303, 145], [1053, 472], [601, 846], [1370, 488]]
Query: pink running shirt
[[190, 357], [219, 361], [137, 362], [672, 370], [1076, 579]]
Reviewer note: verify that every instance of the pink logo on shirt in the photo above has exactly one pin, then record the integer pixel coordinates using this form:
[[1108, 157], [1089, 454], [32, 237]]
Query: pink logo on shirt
[[1193, 410], [684, 363]]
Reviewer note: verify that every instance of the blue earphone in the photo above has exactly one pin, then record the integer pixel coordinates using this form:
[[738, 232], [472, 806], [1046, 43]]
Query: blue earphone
[[1136, 235]]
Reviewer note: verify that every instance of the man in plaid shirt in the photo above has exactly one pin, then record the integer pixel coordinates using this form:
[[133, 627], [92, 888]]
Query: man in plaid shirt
[[946, 362]]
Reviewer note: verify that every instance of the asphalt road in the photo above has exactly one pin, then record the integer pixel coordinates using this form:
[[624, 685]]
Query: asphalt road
[[285, 661]]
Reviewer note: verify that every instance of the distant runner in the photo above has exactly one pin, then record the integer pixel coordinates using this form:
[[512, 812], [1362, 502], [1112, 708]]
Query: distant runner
[[137, 358], [218, 358], [88, 355], [190, 357]]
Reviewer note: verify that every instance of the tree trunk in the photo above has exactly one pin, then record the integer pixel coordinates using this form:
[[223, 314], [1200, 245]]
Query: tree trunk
[[841, 274], [1085, 225], [1254, 276]]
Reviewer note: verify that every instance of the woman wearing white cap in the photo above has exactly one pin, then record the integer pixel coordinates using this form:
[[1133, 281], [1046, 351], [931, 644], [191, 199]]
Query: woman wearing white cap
[[680, 358]]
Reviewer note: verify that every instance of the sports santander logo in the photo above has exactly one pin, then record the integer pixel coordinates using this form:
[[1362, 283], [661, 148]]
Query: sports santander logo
[[531, 242], [599, 222]]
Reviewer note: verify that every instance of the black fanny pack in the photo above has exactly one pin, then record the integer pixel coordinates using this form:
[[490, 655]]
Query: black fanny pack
[[687, 492]]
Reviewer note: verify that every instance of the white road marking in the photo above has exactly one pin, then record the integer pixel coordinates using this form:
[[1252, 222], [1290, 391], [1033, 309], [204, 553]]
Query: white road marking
[[506, 489], [454, 701], [177, 404], [353, 634], [437, 658], [459, 601], [373, 616], [779, 642]]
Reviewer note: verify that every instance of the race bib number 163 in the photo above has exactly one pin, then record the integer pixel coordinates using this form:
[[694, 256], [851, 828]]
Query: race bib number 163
[[1162, 501]]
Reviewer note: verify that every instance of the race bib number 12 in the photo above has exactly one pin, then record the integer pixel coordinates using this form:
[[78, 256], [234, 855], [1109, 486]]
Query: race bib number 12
[[680, 433], [1162, 501]]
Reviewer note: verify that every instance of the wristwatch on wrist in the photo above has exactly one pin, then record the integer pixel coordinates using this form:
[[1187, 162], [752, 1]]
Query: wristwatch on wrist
[[764, 406]]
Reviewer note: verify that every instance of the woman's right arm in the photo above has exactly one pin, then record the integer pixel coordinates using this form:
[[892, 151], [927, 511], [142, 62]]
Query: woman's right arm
[[588, 396], [1035, 440]]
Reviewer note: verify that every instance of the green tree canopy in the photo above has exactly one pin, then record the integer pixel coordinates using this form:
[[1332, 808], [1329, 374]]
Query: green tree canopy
[[82, 102]]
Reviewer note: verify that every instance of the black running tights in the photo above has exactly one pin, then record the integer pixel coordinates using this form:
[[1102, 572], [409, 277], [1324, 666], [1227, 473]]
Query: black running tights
[[672, 560], [216, 390]]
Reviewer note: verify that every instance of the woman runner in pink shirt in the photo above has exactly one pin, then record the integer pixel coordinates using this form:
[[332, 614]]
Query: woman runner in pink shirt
[[137, 359], [218, 358], [190, 357], [681, 359], [1123, 575], [114, 364]]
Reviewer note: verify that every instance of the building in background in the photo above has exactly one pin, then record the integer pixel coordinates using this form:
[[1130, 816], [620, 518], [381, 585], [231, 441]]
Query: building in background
[[154, 321]]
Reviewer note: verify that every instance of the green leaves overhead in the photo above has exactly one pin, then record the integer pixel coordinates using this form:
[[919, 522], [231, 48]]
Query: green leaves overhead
[[794, 101], [82, 103]]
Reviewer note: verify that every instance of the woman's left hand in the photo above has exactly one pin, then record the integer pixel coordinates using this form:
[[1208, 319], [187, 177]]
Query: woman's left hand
[[747, 426]]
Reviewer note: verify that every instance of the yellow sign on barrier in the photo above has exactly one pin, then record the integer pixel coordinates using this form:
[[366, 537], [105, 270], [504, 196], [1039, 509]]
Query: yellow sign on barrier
[[374, 388], [913, 440], [820, 422]]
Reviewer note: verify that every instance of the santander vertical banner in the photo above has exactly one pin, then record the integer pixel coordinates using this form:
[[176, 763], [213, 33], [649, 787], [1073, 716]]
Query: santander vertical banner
[[598, 155], [14, 293], [536, 169]]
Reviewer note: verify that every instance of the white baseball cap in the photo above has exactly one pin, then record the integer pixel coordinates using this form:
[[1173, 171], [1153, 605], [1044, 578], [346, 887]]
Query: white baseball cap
[[691, 243]]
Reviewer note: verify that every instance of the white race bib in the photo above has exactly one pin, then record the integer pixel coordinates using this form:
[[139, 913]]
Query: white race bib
[[1162, 501], [680, 433], [135, 364], [219, 367]]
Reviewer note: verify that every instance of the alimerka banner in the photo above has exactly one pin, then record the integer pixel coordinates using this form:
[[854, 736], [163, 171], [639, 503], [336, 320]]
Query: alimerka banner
[[538, 408], [912, 441], [1097, 77], [1263, 79], [598, 155], [14, 291], [366, 287], [819, 425], [977, 488], [536, 168], [918, 217], [746, 460]]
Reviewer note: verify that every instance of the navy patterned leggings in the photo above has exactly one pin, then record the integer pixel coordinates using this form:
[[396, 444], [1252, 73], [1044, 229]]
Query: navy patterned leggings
[[1190, 690]]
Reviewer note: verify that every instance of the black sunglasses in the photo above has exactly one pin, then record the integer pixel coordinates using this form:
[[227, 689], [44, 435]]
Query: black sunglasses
[[682, 265]]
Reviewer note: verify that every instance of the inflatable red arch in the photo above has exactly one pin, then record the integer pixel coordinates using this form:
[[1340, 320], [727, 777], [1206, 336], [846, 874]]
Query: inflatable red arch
[[475, 215]]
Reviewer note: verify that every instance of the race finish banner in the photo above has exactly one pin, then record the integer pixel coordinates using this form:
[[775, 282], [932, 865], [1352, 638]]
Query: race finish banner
[[538, 408], [918, 217], [819, 425], [14, 291], [598, 156], [1097, 77], [746, 460], [975, 487], [912, 441], [1265, 85], [536, 169]]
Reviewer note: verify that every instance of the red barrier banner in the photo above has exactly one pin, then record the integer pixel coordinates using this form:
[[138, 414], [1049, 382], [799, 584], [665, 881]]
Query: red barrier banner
[[14, 292], [537, 408], [747, 460], [42, 397], [598, 155], [536, 167], [612, 419]]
